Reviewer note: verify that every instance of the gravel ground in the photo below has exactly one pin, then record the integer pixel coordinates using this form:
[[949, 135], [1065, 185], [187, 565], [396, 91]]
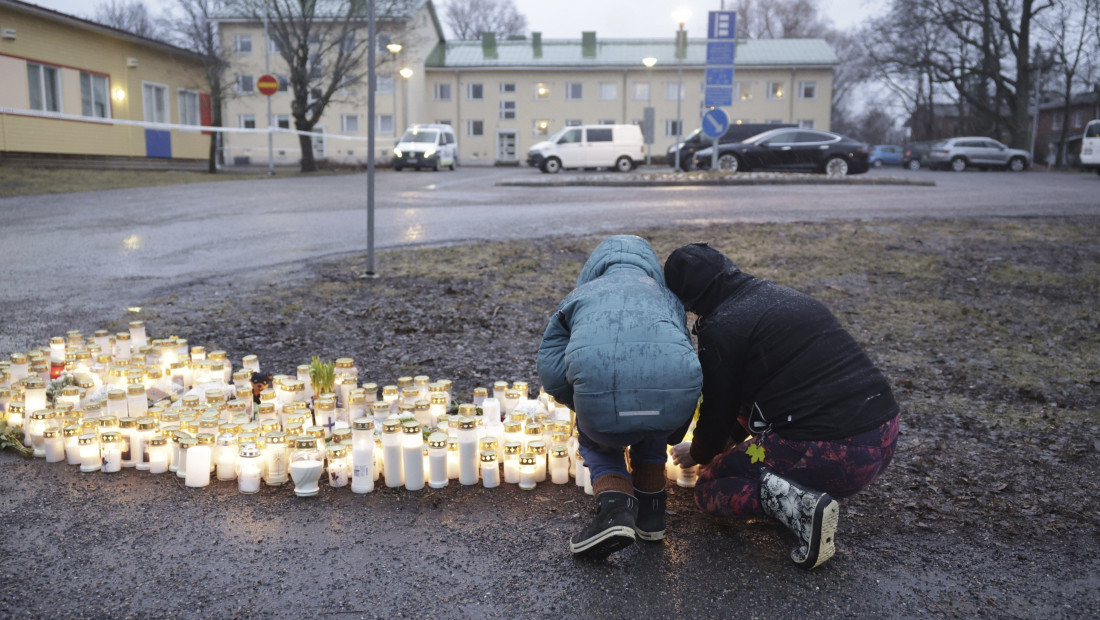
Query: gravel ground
[[988, 330]]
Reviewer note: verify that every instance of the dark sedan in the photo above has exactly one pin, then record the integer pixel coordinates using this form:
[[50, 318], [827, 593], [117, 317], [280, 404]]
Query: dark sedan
[[790, 150]]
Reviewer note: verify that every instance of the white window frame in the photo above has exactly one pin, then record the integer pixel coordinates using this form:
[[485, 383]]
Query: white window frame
[[474, 124], [608, 91], [507, 88], [92, 96], [244, 80], [384, 84], [146, 88], [672, 128], [188, 102], [640, 91], [471, 87], [346, 120], [743, 91], [806, 123], [54, 73], [442, 91], [384, 123], [244, 119], [541, 92], [775, 91], [507, 110], [1056, 121], [671, 89], [573, 122], [279, 118], [803, 86], [578, 87], [240, 42], [1077, 119]]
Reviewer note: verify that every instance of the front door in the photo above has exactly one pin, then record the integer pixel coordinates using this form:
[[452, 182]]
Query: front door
[[319, 142], [506, 146], [571, 149]]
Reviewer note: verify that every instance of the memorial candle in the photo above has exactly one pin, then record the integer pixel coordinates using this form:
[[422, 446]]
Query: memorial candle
[[88, 445], [538, 448], [559, 464], [249, 467], [71, 433], [275, 456], [146, 427], [39, 422], [512, 451], [53, 443], [199, 461], [391, 452], [338, 471], [305, 467], [110, 452], [362, 455], [437, 460], [157, 450], [490, 469], [412, 449], [225, 457], [467, 451], [527, 471]]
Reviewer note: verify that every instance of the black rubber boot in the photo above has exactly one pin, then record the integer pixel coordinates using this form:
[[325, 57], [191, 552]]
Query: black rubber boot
[[611, 530], [650, 524], [811, 515]]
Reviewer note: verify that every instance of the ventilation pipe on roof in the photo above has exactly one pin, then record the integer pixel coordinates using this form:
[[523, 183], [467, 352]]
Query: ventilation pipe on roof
[[588, 44], [489, 44], [536, 44]]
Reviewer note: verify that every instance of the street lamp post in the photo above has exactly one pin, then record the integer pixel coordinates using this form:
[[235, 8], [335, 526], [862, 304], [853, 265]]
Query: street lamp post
[[681, 16], [394, 49], [649, 61], [406, 73]]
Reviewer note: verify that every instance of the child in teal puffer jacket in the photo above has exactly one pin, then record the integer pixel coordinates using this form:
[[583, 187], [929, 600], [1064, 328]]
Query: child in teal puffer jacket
[[618, 353]]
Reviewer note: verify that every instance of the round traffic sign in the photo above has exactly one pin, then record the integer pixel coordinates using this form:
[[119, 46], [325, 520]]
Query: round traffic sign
[[267, 85], [715, 123]]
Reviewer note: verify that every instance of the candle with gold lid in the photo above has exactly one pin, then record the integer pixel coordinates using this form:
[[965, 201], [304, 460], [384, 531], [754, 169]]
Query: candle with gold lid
[[126, 428], [146, 428], [251, 363], [318, 435], [121, 349], [249, 468], [538, 448], [512, 451], [412, 449], [437, 460], [391, 452], [88, 447], [559, 463], [338, 471], [480, 394], [490, 469], [324, 415], [362, 455], [225, 456], [199, 461], [71, 434], [527, 471], [306, 463], [356, 404], [265, 413], [110, 452], [467, 450], [275, 456], [370, 391], [157, 452], [53, 445]]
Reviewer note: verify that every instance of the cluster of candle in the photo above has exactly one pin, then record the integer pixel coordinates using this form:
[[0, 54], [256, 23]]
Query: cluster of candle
[[114, 401]]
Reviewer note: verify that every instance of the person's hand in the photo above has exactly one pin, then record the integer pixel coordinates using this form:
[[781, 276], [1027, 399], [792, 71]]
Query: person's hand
[[681, 455]]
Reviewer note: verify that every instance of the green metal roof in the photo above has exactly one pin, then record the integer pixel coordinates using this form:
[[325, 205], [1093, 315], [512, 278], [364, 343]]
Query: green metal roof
[[324, 9], [626, 53]]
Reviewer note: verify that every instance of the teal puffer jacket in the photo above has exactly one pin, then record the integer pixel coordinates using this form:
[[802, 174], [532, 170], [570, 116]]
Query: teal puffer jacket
[[617, 351]]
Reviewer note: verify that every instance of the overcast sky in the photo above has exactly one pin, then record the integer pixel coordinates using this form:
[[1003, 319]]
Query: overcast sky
[[567, 18]]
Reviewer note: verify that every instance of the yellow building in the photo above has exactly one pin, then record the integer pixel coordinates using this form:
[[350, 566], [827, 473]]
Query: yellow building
[[72, 87]]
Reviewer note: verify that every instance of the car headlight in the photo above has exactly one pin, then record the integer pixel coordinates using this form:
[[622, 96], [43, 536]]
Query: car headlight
[[429, 152], [397, 152]]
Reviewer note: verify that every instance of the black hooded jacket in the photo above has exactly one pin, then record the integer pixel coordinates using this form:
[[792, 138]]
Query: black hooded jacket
[[774, 351]]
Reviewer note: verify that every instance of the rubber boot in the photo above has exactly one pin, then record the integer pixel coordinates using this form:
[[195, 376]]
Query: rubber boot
[[611, 530], [811, 515], [651, 514]]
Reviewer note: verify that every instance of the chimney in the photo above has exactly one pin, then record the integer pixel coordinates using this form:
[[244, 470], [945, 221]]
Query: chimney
[[489, 45], [588, 44], [536, 44]]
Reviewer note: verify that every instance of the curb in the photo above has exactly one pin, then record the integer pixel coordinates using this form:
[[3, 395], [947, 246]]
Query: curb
[[672, 182]]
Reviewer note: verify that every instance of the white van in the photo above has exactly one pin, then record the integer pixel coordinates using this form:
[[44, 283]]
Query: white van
[[426, 146], [1090, 147], [590, 146]]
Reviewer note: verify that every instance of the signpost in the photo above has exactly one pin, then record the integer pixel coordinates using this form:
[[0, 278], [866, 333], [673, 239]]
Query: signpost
[[718, 87]]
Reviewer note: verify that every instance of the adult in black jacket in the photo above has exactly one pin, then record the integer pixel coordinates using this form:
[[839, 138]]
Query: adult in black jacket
[[794, 413]]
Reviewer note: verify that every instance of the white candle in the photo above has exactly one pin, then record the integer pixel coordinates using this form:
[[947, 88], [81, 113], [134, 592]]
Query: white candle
[[362, 476], [158, 460], [490, 471], [306, 475], [437, 460], [467, 451], [687, 477], [527, 471], [559, 464], [413, 456], [391, 452], [54, 446], [111, 457], [452, 458], [338, 474], [581, 469], [227, 466], [89, 453], [198, 466], [72, 446], [249, 479]]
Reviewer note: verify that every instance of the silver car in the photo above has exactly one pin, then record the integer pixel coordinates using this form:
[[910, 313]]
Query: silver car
[[958, 154]]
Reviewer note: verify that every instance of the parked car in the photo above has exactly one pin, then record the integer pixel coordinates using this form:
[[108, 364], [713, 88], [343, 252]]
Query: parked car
[[791, 150], [427, 146], [958, 154], [1090, 147], [885, 155], [915, 155], [590, 146], [696, 141]]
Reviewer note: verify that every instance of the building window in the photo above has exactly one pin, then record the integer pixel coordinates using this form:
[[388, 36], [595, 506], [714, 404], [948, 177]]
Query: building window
[[507, 88], [507, 110], [385, 84], [442, 91], [542, 91], [806, 123], [284, 82], [574, 91], [640, 91], [775, 91], [574, 122], [246, 121], [744, 90], [609, 91], [242, 43], [541, 128], [606, 121], [807, 90], [349, 123], [385, 123], [274, 44], [674, 91], [282, 121], [1056, 121], [1078, 119], [93, 95], [244, 84], [155, 102], [773, 121], [475, 128], [475, 92], [672, 128], [189, 107], [45, 87]]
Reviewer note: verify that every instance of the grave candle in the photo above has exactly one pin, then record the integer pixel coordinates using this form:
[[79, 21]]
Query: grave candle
[[16, 413], [305, 467], [39, 422], [512, 450], [559, 464], [480, 394], [199, 461], [581, 470], [362, 455], [437, 460], [116, 403], [251, 363], [53, 445], [88, 445], [452, 458], [422, 413], [121, 349], [511, 400], [338, 472], [158, 454], [513, 431], [249, 466], [357, 405], [275, 456], [110, 452], [687, 477], [527, 471], [467, 451], [324, 413], [539, 450], [391, 395], [490, 470], [71, 433], [499, 388], [225, 456], [146, 427], [391, 452], [413, 455], [34, 394]]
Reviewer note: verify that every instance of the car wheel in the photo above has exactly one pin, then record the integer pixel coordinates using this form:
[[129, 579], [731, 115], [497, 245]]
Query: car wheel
[[958, 164], [624, 164], [452, 166], [877, 163], [729, 163], [552, 165], [397, 168], [836, 168], [436, 166], [1017, 164], [914, 164]]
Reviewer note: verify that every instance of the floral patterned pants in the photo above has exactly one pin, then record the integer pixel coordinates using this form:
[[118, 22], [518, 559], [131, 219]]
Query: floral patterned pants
[[729, 486]]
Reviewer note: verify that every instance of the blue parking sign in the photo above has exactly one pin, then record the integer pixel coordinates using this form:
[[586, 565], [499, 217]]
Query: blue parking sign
[[722, 25]]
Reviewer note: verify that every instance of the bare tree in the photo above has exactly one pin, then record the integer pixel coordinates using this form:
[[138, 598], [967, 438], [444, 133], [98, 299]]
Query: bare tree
[[468, 19], [132, 16], [1071, 31], [197, 31]]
